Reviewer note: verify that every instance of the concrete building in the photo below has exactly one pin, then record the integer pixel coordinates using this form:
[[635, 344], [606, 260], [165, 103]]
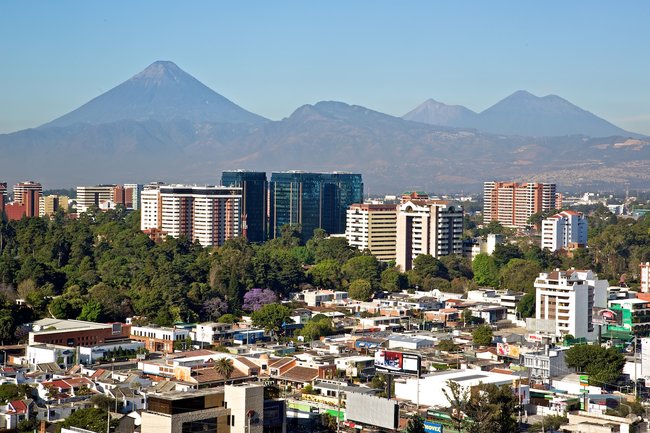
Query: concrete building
[[428, 227], [3, 196], [88, 196], [486, 245], [51, 204], [431, 387], [565, 230], [74, 333], [208, 214], [254, 203], [565, 299], [512, 203], [27, 200], [632, 317], [644, 277], [372, 227], [312, 200], [546, 364], [158, 338], [135, 192]]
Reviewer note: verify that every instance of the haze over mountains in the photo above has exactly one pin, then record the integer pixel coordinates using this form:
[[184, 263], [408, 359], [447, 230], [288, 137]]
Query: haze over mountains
[[521, 113], [163, 124]]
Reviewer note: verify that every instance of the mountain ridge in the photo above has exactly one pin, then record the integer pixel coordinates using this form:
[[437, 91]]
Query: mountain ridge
[[520, 113], [164, 141]]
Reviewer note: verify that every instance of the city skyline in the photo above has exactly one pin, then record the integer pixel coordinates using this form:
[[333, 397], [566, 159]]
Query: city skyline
[[273, 58]]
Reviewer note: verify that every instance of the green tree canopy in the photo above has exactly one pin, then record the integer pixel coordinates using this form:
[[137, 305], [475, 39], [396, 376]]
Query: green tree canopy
[[93, 419], [415, 424], [271, 317], [526, 306], [482, 335], [486, 272], [327, 274], [602, 365], [360, 290], [519, 275], [363, 267]]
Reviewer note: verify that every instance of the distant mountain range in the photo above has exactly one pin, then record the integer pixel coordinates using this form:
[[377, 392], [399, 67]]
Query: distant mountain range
[[521, 113], [163, 124]]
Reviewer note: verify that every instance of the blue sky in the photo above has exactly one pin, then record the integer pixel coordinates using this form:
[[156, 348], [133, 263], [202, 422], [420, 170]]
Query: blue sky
[[270, 57]]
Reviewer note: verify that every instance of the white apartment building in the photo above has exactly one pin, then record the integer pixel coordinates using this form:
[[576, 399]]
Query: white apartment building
[[372, 227], [486, 245], [88, 196], [644, 277], [208, 214], [565, 230], [428, 227], [566, 299]]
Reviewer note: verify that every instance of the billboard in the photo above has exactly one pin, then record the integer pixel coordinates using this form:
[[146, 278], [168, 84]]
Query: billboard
[[373, 411], [605, 316], [510, 350], [397, 362]]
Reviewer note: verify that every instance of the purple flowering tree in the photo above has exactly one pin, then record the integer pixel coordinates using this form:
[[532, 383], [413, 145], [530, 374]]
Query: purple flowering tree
[[215, 307], [256, 298]]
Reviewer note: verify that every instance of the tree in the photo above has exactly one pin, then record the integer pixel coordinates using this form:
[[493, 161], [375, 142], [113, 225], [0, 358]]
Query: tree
[[362, 267], [526, 306], [326, 274], [94, 419], [427, 266], [457, 266], [392, 280], [602, 365], [519, 275], [256, 298], [485, 270], [503, 253], [415, 425], [9, 391], [214, 307], [482, 335], [448, 345], [225, 367], [360, 290], [549, 423], [92, 311], [228, 318], [317, 327], [272, 317]]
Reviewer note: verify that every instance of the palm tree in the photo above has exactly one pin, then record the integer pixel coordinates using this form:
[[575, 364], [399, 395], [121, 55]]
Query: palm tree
[[224, 367]]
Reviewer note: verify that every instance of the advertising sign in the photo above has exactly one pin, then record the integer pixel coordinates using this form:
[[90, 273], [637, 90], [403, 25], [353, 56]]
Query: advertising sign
[[432, 427], [605, 316], [510, 350], [397, 362]]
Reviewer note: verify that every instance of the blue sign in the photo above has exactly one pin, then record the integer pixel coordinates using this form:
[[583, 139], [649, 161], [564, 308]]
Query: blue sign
[[432, 427]]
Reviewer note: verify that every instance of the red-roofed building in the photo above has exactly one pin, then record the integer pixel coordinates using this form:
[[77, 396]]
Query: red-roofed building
[[14, 412]]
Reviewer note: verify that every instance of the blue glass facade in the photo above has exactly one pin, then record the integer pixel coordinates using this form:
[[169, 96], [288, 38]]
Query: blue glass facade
[[254, 201], [312, 200]]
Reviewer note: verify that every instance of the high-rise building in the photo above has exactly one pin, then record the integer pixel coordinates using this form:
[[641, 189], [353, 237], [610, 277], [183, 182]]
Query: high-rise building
[[254, 215], [21, 188], [50, 204], [27, 196], [3, 197], [136, 190], [108, 196], [373, 227], [312, 200], [565, 230], [566, 300], [511, 204], [89, 196], [208, 214], [644, 278], [428, 227]]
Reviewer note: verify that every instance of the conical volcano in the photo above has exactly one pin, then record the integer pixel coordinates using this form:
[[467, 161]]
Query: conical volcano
[[162, 92]]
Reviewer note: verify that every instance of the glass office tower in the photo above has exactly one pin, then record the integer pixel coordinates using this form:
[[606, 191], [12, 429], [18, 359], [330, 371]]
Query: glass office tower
[[312, 200], [254, 201]]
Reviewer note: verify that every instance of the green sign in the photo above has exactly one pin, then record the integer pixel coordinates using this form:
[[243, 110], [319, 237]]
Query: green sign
[[584, 380]]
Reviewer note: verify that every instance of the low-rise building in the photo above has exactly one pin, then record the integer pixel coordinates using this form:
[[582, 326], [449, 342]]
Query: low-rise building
[[546, 364], [159, 338]]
